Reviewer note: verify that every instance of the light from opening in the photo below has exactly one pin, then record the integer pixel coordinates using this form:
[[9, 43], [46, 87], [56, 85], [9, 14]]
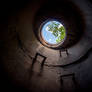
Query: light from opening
[[53, 32]]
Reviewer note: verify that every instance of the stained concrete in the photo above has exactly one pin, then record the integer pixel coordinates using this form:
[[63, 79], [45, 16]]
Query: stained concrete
[[19, 46]]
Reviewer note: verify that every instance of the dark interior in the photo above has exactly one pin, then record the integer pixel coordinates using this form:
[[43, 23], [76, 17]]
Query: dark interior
[[29, 65]]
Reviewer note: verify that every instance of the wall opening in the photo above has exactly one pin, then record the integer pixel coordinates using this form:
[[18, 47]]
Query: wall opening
[[53, 32]]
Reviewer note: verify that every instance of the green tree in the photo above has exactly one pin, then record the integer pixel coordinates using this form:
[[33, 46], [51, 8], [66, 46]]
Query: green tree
[[57, 30]]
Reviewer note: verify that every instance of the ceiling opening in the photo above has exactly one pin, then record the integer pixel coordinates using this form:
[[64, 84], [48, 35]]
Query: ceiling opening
[[53, 32]]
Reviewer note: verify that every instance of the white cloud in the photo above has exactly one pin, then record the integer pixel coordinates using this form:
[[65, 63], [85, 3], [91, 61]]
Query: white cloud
[[47, 28]]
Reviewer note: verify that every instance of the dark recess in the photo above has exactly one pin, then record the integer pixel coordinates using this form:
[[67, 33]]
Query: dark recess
[[8, 8]]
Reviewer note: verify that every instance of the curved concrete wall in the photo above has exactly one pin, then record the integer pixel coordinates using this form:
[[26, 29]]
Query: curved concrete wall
[[19, 47]]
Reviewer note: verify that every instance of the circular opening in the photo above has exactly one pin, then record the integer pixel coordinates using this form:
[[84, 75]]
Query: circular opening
[[53, 32]]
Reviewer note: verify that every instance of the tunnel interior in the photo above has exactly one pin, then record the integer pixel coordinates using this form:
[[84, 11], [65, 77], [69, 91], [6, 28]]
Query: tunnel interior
[[28, 63]]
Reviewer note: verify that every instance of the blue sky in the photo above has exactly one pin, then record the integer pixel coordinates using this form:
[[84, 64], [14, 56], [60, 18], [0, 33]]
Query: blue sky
[[47, 35]]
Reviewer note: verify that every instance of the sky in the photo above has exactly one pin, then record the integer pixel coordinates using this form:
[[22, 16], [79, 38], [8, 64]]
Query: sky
[[47, 35]]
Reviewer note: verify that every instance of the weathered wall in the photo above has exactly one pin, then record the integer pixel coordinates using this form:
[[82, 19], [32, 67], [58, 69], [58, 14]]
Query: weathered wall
[[19, 46]]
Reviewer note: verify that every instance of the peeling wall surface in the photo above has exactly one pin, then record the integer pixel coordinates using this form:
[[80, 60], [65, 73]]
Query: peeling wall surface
[[27, 65]]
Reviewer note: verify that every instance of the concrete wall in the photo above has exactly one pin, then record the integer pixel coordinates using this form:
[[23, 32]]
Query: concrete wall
[[18, 46]]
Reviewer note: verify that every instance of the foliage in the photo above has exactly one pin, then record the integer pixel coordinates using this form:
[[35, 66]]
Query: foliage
[[57, 30]]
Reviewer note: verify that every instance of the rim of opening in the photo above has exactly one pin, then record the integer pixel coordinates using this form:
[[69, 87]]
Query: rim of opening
[[44, 42]]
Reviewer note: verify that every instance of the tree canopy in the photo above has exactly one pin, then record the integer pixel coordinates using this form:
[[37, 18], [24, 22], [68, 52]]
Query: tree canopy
[[57, 30]]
